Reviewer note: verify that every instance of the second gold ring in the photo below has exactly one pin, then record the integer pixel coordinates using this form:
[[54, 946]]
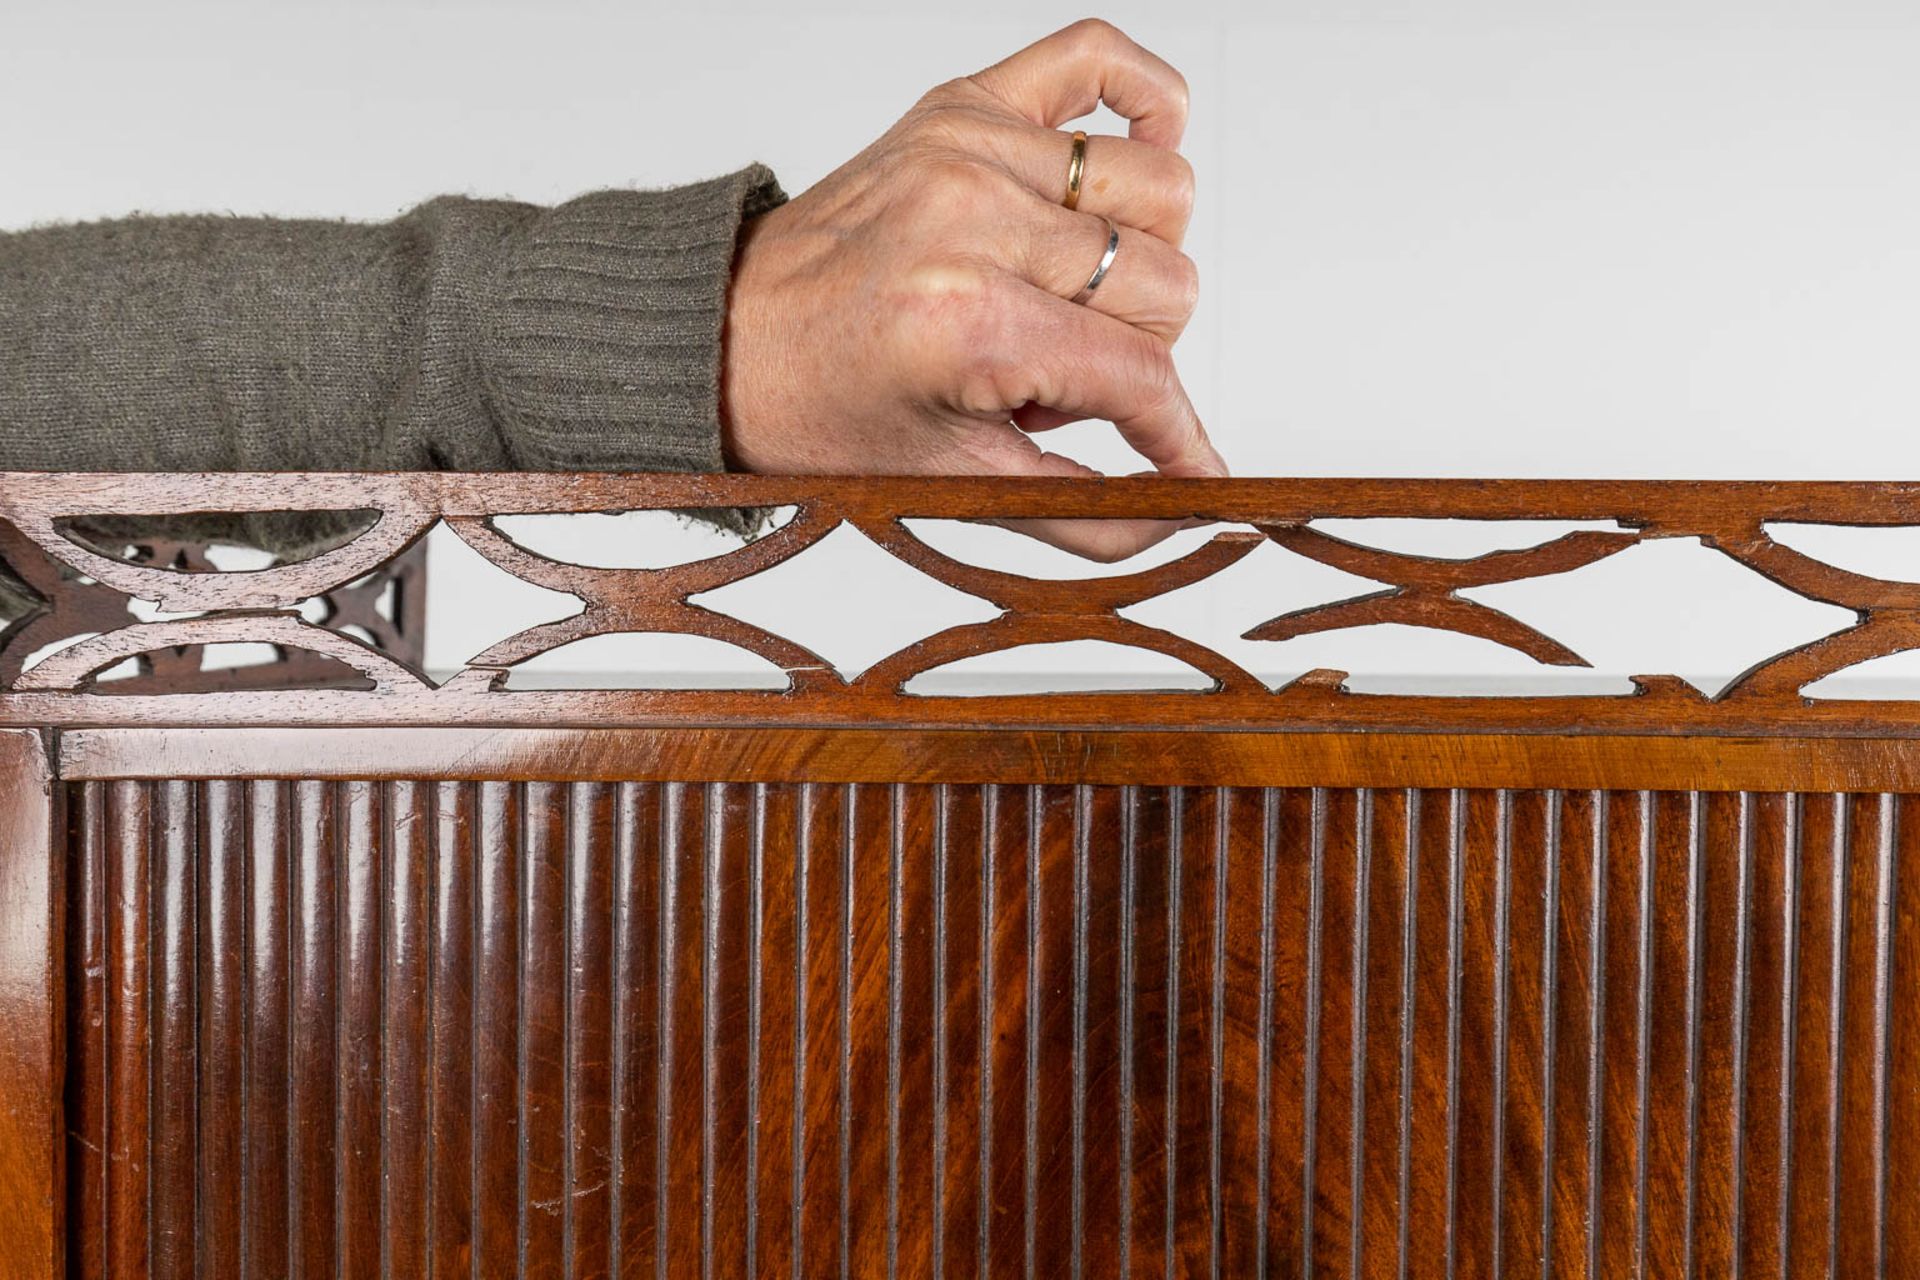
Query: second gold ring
[[1076, 169]]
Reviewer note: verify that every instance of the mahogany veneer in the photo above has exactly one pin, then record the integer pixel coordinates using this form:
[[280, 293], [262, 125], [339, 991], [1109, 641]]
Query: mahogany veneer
[[418, 979]]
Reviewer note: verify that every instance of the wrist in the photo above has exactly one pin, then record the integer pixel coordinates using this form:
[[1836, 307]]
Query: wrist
[[742, 345]]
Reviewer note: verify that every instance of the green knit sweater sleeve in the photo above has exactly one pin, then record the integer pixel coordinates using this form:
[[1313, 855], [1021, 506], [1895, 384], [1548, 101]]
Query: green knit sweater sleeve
[[466, 334]]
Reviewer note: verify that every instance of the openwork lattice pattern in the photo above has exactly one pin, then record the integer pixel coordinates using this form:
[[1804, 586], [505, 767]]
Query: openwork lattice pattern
[[66, 603], [204, 607]]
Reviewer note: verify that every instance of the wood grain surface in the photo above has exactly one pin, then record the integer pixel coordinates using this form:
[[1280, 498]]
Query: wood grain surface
[[31, 1012], [1109, 757], [593, 1029]]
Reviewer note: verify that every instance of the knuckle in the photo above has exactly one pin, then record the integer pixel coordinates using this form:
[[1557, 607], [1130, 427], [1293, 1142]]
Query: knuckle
[[945, 96], [945, 289], [979, 382], [1153, 373], [1096, 31], [1158, 389], [954, 175], [1180, 185], [948, 123], [937, 133], [1182, 92], [1105, 548], [1177, 286]]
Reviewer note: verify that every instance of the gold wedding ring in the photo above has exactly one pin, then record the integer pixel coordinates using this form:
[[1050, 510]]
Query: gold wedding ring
[[1076, 167]]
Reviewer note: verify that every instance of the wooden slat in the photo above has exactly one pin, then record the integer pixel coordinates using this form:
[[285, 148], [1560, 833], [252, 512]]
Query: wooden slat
[[1724, 987], [1242, 981], [1574, 1069], [1859, 1106], [1426, 1106], [448, 1216], [266, 1206], [1771, 851], [313, 1099], [1267, 498], [218, 990], [1193, 871], [865, 854], [1148, 970], [635, 968], [174, 944], [911, 1039], [679, 1069], [496, 1034], [819, 976], [86, 1014], [728, 1064], [360, 1079], [128, 1031], [1378, 1130], [406, 1153], [32, 1011], [1006, 976], [961, 1010], [966, 757], [778, 1104], [587, 1068], [540, 1068]]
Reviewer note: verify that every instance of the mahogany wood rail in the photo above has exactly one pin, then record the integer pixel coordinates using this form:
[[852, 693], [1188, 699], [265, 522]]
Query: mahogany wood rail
[[342, 968]]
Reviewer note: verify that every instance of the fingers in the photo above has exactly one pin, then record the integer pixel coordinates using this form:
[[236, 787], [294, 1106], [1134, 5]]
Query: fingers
[[1071, 359], [1104, 540], [1135, 184], [1150, 284], [1075, 69], [994, 448], [1037, 417]]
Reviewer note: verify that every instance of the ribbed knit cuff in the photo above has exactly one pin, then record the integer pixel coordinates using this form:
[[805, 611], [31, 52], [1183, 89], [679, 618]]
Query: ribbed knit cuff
[[605, 350]]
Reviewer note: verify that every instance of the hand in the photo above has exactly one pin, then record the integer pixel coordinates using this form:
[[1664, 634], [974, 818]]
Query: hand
[[909, 314]]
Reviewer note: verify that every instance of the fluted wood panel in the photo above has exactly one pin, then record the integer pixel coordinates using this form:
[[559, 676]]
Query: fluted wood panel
[[439, 1028]]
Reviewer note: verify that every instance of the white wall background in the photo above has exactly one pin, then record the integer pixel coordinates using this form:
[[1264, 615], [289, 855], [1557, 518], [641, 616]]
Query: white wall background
[[1466, 238]]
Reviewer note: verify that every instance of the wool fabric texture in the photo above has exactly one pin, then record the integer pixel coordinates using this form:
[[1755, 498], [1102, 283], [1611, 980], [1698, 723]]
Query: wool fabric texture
[[471, 335]]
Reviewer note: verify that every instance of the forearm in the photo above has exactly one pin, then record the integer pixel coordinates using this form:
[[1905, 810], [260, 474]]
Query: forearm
[[467, 334]]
